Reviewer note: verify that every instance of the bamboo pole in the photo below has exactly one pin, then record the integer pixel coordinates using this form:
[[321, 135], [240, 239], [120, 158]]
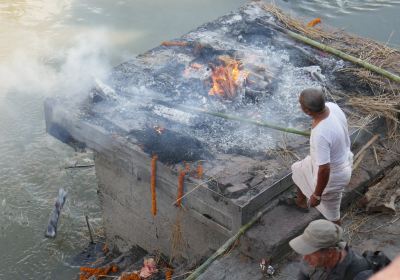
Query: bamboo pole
[[232, 117], [227, 245], [338, 53]]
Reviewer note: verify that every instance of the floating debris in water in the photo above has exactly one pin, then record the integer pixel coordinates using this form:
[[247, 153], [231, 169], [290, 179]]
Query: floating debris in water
[[53, 221]]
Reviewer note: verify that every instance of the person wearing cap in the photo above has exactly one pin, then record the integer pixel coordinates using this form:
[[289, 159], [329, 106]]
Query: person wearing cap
[[326, 256], [321, 177]]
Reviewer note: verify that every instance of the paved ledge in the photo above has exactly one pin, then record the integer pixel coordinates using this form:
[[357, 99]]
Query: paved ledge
[[269, 238]]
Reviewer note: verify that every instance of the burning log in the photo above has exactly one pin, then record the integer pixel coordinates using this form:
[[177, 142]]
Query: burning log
[[226, 78]]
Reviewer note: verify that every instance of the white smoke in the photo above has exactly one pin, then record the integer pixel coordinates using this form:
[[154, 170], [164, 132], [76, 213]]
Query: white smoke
[[68, 71]]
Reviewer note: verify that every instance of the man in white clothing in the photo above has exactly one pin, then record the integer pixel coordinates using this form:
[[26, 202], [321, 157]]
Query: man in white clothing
[[322, 176]]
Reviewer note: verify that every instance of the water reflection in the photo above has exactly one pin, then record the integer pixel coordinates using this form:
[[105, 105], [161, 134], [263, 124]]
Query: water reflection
[[376, 19], [33, 13]]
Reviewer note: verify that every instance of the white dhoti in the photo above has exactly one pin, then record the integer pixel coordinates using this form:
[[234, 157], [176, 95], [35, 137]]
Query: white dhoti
[[305, 177]]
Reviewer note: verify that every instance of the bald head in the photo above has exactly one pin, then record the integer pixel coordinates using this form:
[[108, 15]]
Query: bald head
[[312, 99]]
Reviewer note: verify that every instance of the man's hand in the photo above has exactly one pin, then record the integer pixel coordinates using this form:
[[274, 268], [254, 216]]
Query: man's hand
[[314, 201]]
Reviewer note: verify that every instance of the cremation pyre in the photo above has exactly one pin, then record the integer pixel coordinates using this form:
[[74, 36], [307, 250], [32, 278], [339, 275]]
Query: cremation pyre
[[238, 64]]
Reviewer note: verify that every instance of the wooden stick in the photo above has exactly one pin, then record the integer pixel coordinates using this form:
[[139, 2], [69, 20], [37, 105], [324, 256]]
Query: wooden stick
[[79, 166], [223, 248], [358, 160], [375, 155], [366, 146], [90, 230], [202, 184], [361, 153]]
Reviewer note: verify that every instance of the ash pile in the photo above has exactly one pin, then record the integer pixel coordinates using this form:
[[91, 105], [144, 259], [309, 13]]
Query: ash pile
[[239, 65]]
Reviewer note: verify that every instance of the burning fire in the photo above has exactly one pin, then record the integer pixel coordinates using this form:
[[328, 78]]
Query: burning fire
[[226, 79], [159, 129]]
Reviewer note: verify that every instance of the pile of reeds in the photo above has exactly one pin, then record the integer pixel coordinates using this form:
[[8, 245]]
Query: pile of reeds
[[384, 105], [383, 98]]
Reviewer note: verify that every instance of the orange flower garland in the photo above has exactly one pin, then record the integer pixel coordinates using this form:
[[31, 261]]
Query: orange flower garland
[[200, 171], [168, 274], [314, 22], [181, 179], [98, 272], [153, 185]]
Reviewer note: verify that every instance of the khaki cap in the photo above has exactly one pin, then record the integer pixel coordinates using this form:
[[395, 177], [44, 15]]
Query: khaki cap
[[318, 234]]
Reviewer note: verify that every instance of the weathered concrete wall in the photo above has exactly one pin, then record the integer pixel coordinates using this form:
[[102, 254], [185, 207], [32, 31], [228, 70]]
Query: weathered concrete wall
[[123, 173], [126, 200]]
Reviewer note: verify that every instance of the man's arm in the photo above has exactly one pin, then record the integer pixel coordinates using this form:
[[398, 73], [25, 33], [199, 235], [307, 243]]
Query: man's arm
[[322, 180]]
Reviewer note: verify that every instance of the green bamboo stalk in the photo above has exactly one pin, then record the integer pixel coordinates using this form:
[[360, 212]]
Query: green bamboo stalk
[[343, 55], [232, 117], [225, 247]]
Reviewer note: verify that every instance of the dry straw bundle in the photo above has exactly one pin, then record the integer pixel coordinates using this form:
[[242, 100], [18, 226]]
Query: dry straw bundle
[[384, 97]]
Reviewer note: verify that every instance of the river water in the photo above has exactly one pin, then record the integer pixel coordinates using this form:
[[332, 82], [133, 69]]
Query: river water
[[56, 47]]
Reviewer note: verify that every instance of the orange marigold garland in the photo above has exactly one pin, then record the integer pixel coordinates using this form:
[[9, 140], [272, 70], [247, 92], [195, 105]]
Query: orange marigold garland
[[168, 274], [153, 185], [314, 22], [98, 272], [130, 276], [181, 179], [199, 171]]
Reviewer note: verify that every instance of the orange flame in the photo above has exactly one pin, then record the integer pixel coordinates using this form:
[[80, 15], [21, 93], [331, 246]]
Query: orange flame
[[227, 78]]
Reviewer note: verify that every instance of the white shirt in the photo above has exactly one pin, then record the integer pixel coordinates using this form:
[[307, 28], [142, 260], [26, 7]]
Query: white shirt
[[330, 141]]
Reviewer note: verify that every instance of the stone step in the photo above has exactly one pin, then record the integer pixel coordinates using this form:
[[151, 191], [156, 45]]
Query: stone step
[[269, 237]]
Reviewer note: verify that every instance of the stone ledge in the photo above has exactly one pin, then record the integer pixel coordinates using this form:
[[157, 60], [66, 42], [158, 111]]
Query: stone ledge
[[269, 238]]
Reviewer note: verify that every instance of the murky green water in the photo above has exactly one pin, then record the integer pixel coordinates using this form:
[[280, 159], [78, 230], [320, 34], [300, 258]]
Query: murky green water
[[55, 47]]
